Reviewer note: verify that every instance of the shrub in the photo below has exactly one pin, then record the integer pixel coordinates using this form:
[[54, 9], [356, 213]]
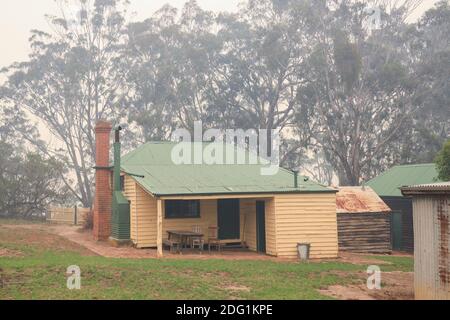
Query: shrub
[[443, 162]]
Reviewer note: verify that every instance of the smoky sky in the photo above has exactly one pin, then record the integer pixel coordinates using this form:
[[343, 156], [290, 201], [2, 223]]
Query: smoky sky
[[18, 17]]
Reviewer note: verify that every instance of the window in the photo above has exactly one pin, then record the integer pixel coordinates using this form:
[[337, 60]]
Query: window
[[182, 209]]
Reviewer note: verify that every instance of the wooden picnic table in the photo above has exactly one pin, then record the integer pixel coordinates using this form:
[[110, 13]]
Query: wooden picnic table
[[183, 236]]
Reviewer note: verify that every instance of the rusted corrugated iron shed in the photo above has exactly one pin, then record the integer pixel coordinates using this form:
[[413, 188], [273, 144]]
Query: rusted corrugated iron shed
[[359, 200], [431, 212], [363, 221]]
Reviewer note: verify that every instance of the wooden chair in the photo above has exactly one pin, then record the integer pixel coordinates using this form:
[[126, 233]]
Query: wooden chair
[[173, 245], [197, 242], [213, 239]]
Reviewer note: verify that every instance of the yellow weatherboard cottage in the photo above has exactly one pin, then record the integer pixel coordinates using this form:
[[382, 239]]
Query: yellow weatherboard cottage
[[268, 213]]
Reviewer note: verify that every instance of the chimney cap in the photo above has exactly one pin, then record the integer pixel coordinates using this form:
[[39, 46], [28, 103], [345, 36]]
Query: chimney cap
[[103, 125]]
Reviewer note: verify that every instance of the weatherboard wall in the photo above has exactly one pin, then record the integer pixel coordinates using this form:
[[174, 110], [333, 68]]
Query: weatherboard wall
[[143, 214], [271, 230], [130, 193], [306, 218]]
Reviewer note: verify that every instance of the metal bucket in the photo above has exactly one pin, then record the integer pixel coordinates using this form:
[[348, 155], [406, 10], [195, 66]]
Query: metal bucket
[[303, 250]]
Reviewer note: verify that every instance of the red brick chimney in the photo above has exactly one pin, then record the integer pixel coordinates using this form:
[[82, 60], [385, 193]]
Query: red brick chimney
[[103, 192]]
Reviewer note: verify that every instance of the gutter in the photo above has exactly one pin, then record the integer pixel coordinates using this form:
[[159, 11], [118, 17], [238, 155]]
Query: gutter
[[241, 193]]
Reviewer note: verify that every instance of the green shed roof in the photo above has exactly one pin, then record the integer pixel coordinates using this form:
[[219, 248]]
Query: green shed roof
[[152, 167], [388, 184]]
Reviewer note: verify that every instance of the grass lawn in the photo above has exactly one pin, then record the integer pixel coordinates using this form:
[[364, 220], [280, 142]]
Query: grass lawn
[[33, 264]]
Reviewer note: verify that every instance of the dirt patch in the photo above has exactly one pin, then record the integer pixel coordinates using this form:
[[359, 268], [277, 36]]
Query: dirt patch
[[234, 290], [8, 253], [346, 293], [237, 288], [218, 274], [394, 286]]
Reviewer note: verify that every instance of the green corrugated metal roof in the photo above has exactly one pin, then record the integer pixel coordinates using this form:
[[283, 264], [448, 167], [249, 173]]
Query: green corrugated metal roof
[[388, 183], [162, 177]]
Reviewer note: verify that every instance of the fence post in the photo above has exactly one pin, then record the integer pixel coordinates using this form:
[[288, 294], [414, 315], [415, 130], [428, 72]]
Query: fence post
[[75, 218]]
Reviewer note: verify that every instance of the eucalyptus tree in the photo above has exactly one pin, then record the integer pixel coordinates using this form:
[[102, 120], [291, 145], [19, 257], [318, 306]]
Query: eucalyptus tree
[[70, 81], [359, 97], [431, 53], [170, 60], [259, 72]]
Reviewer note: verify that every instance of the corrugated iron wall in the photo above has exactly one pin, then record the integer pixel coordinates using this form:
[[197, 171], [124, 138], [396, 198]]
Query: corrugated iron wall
[[431, 254]]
